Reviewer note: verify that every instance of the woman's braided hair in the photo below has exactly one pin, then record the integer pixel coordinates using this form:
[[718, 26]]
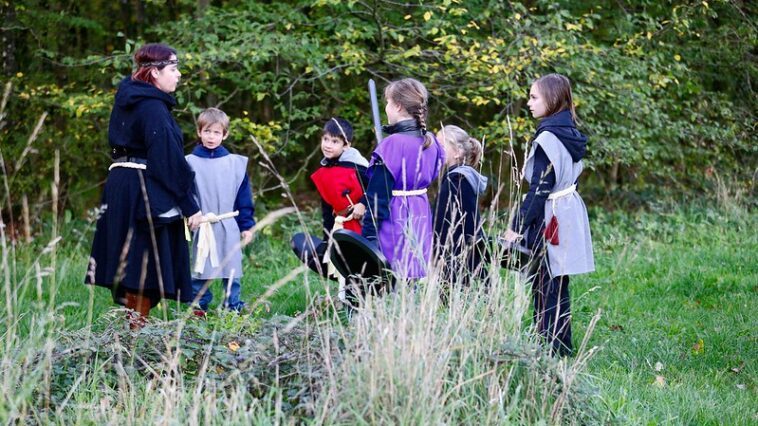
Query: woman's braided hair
[[413, 97]]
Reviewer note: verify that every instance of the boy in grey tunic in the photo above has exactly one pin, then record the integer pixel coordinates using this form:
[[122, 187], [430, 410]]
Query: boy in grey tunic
[[223, 187]]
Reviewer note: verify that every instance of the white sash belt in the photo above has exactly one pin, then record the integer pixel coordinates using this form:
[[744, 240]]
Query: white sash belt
[[562, 193], [206, 241], [401, 193], [331, 270], [128, 165]]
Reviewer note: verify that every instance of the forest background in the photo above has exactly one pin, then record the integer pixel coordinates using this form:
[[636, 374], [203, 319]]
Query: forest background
[[664, 89]]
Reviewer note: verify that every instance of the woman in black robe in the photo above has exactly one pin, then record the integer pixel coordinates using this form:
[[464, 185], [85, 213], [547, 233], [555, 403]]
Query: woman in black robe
[[139, 250]]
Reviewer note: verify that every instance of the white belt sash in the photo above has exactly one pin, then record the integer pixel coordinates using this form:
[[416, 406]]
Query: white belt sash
[[206, 241], [401, 193], [128, 165], [560, 194], [331, 270]]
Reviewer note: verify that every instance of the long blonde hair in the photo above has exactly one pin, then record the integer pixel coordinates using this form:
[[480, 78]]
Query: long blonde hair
[[413, 97], [470, 148]]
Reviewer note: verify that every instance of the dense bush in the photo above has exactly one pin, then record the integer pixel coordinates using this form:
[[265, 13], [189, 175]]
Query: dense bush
[[663, 89]]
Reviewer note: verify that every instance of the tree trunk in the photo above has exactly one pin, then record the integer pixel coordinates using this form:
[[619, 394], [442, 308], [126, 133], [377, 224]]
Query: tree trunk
[[201, 6], [8, 38]]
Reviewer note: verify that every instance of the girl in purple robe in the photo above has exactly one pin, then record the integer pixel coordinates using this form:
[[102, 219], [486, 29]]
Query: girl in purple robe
[[404, 164]]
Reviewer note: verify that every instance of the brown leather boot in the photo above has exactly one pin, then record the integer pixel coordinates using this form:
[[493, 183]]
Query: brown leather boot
[[140, 306]]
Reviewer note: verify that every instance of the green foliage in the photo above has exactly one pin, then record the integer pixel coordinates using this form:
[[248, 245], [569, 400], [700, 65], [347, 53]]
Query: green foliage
[[663, 89]]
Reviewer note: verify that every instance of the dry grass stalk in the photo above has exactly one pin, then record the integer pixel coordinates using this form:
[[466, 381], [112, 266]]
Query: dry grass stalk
[[25, 218]]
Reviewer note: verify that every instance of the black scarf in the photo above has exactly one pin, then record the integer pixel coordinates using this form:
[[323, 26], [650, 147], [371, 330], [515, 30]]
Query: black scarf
[[563, 127], [407, 127]]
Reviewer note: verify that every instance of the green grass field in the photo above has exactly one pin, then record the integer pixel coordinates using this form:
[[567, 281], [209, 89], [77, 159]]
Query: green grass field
[[679, 330], [676, 288]]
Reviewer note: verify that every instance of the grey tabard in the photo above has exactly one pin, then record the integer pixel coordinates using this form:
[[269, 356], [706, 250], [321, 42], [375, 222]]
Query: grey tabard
[[573, 254], [218, 180]]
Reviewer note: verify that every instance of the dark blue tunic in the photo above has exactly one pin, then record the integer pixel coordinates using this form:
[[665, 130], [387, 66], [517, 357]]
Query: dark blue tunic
[[124, 256], [458, 225]]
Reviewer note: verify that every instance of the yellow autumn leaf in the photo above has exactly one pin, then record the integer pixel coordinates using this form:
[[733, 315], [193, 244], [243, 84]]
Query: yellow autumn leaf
[[233, 346], [427, 15], [698, 347], [407, 17], [677, 58]]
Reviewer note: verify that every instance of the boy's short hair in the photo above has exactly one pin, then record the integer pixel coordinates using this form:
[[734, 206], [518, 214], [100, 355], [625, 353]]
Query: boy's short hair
[[339, 127], [212, 116]]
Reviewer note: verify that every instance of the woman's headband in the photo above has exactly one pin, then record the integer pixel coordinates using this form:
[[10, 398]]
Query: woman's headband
[[159, 63]]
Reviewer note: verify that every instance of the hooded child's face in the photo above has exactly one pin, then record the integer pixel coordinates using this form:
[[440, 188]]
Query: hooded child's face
[[332, 146]]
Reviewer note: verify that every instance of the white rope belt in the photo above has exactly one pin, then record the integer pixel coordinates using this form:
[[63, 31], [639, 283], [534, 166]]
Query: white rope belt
[[206, 240], [562, 193], [400, 193], [128, 165], [331, 270]]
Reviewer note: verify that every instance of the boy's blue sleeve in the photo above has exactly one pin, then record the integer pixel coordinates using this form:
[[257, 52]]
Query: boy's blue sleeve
[[377, 200], [244, 203]]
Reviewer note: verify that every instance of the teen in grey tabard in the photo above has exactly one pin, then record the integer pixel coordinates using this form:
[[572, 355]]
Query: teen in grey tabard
[[573, 254], [222, 187], [554, 224]]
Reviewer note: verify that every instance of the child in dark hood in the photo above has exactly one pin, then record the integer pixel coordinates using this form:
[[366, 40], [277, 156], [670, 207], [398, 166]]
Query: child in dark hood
[[552, 221], [457, 222]]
